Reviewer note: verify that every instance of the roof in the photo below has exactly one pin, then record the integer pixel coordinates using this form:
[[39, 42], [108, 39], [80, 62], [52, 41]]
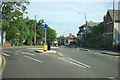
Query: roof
[[73, 37], [117, 14], [90, 24]]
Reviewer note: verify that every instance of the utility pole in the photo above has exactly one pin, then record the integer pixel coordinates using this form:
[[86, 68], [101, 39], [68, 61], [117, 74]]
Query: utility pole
[[35, 33], [113, 22], [86, 28]]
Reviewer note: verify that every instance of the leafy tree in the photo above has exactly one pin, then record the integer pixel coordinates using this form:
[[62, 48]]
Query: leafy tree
[[61, 40], [13, 10], [51, 34], [96, 39], [11, 34]]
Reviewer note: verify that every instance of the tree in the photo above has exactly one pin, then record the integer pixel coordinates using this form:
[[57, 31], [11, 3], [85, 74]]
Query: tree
[[13, 10], [51, 34], [96, 39], [40, 34], [11, 34], [61, 40], [12, 20]]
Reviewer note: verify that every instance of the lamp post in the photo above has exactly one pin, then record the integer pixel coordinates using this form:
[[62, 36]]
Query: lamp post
[[86, 28], [81, 39]]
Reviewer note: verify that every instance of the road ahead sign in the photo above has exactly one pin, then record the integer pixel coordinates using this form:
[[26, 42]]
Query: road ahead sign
[[45, 26]]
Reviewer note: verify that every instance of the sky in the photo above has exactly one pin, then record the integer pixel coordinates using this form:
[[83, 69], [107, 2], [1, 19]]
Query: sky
[[64, 16]]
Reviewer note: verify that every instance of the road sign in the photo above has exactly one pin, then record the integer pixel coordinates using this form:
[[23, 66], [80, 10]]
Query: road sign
[[45, 26]]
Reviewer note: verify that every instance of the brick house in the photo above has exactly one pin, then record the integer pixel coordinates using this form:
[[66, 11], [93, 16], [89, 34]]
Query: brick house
[[70, 40], [112, 28]]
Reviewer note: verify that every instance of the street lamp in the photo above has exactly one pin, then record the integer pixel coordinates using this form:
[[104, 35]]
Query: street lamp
[[85, 20], [81, 39], [85, 23]]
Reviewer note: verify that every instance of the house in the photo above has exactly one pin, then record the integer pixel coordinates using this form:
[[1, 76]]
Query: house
[[69, 40], [86, 28], [112, 27]]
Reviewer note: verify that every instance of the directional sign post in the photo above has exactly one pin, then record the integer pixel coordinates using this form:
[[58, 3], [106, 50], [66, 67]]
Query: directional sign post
[[45, 43], [45, 27]]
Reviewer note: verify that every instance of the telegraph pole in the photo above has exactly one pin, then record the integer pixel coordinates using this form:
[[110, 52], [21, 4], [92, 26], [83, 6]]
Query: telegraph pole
[[113, 21], [35, 33]]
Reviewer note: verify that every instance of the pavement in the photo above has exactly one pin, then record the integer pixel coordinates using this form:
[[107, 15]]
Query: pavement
[[108, 52]]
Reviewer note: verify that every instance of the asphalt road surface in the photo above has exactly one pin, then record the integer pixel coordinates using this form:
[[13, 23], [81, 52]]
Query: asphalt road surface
[[24, 62]]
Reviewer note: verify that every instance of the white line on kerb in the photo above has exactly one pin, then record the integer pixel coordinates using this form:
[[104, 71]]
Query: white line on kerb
[[79, 62], [5, 54], [33, 59], [60, 54]]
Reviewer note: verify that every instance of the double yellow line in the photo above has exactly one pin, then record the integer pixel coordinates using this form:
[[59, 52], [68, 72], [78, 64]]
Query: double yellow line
[[2, 65]]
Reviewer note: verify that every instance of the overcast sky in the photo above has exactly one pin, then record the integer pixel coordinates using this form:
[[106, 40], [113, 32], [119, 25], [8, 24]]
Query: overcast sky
[[63, 16]]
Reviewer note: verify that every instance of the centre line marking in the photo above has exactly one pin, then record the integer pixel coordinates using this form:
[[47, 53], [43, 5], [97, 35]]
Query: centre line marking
[[60, 54], [33, 59], [79, 62], [5, 54]]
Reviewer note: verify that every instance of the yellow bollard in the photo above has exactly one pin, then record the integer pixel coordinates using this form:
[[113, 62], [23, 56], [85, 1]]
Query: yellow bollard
[[56, 45], [45, 47]]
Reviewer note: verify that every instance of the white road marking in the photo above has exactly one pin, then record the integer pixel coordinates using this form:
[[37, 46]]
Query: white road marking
[[34, 59], [35, 48], [111, 78], [16, 53], [54, 47], [6, 51], [5, 54], [60, 54], [79, 62], [26, 53]]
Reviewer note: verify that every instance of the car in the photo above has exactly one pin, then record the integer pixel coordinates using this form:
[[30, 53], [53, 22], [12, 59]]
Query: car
[[66, 44]]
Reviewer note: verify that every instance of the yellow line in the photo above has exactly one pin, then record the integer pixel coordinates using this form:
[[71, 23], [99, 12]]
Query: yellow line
[[3, 66], [0, 61]]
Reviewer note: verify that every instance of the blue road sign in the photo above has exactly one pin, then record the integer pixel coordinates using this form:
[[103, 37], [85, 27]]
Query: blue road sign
[[45, 43], [45, 26]]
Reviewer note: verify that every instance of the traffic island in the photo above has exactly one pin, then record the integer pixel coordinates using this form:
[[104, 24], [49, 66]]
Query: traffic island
[[47, 51]]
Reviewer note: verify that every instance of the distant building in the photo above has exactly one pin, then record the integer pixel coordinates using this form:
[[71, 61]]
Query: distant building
[[69, 40], [112, 27]]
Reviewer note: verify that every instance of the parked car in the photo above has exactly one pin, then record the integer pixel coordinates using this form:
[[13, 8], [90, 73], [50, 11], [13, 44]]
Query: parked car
[[66, 44]]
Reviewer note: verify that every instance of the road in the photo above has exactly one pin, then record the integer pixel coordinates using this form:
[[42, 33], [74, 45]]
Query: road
[[68, 62]]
